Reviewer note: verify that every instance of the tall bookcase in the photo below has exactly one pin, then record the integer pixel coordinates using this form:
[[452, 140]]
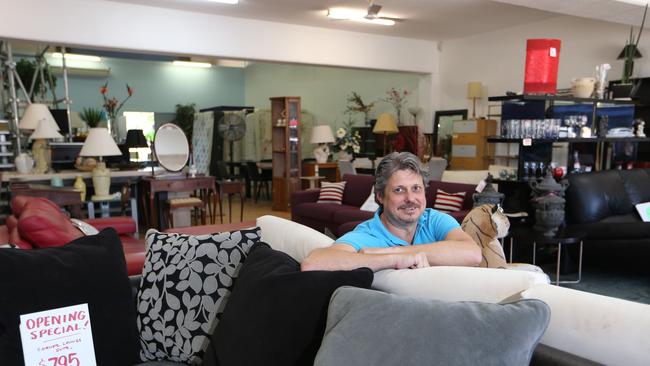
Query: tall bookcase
[[285, 120]]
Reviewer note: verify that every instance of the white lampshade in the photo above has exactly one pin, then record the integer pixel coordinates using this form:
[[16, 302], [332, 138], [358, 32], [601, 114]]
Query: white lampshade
[[34, 113], [385, 124], [99, 143], [474, 90], [321, 135], [46, 129]]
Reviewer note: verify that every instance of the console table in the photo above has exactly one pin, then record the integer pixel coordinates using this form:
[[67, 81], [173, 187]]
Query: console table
[[152, 185]]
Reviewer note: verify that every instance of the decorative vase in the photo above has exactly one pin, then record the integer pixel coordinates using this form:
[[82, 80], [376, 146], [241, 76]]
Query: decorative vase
[[345, 156], [24, 163], [80, 185]]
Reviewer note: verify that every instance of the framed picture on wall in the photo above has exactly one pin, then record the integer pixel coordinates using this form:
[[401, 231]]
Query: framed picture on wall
[[442, 129]]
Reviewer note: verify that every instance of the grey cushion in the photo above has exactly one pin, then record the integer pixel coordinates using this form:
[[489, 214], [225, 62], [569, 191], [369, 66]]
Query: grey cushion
[[366, 327]]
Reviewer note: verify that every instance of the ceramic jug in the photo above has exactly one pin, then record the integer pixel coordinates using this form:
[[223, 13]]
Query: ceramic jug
[[583, 87], [24, 163]]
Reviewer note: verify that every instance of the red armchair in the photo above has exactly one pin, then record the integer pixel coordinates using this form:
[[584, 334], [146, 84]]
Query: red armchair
[[38, 223]]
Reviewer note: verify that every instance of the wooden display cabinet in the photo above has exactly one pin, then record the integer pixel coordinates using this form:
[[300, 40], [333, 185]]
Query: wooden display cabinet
[[285, 120]]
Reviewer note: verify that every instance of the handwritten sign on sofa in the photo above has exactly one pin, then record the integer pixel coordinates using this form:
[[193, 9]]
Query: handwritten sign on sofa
[[58, 337]]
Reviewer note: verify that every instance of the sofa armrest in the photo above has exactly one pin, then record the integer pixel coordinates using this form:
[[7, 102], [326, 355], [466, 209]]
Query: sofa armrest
[[460, 215], [600, 328], [309, 195], [124, 225]]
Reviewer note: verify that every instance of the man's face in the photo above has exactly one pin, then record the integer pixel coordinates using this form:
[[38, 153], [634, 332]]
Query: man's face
[[403, 199]]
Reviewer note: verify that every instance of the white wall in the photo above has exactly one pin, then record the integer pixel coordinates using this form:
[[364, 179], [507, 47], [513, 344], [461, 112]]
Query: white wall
[[497, 58]]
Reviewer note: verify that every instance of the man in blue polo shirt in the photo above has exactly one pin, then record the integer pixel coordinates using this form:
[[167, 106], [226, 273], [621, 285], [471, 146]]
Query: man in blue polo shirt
[[403, 233]]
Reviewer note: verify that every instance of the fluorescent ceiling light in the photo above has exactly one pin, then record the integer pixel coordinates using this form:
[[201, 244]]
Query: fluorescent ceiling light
[[344, 13], [76, 57], [232, 2], [205, 65], [356, 16], [378, 21]]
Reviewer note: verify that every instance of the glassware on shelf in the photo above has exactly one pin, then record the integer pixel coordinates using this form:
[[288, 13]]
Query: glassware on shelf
[[532, 169], [526, 170]]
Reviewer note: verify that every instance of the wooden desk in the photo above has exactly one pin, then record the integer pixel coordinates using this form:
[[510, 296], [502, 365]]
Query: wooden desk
[[329, 170], [63, 196], [205, 185], [228, 188], [314, 180]]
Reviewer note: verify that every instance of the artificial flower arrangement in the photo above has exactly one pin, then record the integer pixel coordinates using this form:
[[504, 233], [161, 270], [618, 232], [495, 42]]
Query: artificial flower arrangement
[[397, 98], [346, 140], [111, 105]]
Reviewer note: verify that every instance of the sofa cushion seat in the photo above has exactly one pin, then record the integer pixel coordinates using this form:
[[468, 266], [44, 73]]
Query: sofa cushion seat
[[620, 227], [344, 216], [321, 211]]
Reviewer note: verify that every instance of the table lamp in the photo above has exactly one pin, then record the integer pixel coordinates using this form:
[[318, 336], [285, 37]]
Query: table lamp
[[385, 125], [474, 92], [135, 139], [321, 135], [47, 129], [100, 143]]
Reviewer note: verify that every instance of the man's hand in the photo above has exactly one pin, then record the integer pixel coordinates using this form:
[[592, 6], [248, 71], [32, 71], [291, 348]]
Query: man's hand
[[417, 260], [402, 260]]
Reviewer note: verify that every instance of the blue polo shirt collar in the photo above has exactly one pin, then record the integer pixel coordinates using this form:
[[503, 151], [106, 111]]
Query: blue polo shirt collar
[[378, 227]]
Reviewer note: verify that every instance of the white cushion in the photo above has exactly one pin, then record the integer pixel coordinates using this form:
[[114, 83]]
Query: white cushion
[[457, 283], [370, 204], [600, 328], [291, 237]]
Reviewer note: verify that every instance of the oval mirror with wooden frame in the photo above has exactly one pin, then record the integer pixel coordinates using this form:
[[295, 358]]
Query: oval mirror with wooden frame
[[171, 147]]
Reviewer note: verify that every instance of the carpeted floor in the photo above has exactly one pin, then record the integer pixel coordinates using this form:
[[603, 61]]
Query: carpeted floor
[[616, 272]]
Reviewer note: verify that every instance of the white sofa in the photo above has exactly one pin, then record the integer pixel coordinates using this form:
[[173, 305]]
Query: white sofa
[[603, 329]]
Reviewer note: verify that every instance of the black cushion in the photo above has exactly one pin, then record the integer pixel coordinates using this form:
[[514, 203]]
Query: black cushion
[[276, 314], [89, 270]]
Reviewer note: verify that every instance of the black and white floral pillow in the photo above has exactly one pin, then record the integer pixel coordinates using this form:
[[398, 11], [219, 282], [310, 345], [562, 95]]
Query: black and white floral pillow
[[186, 283]]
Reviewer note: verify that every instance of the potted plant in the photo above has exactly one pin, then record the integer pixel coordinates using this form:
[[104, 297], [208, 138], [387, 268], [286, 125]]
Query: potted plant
[[356, 105], [92, 116], [185, 118], [26, 70], [628, 54]]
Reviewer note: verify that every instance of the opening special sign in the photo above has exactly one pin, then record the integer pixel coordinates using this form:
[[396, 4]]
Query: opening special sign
[[58, 337]]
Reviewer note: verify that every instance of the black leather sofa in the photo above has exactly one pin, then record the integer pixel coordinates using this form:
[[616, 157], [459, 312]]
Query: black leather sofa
[[601, 204]]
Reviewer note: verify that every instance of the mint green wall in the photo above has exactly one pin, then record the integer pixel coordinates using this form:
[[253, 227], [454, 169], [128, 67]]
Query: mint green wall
[[324, 90], [159, 86]]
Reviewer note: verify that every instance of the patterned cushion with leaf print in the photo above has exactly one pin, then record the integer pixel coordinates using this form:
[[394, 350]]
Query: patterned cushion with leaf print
[[186, 283]]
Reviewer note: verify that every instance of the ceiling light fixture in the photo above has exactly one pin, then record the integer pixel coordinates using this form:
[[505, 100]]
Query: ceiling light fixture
[[231, 2], [205, 65], [76, 57], [356, 16]]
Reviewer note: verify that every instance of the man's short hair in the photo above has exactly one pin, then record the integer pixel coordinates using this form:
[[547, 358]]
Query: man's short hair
[[393, 162]]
